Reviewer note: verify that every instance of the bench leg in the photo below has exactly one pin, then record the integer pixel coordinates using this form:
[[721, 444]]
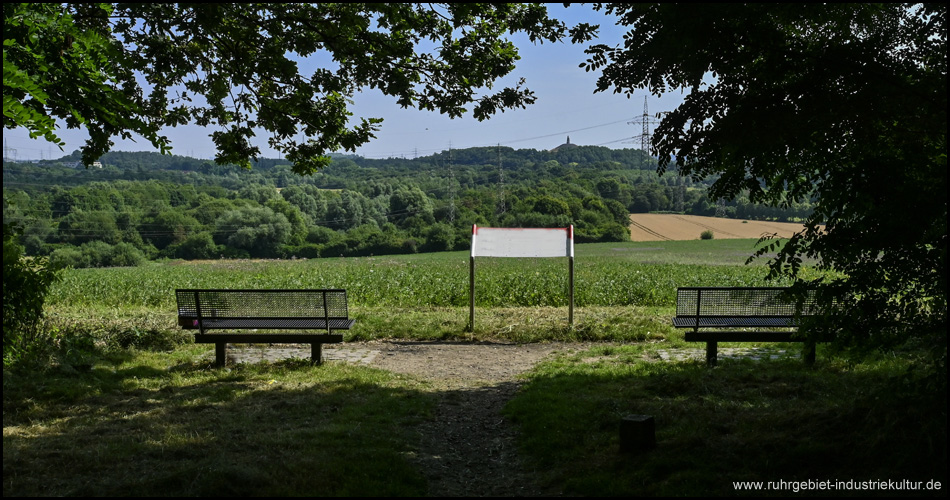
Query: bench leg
[[712, 349], [220, 353], [809, 353], [316, 353]]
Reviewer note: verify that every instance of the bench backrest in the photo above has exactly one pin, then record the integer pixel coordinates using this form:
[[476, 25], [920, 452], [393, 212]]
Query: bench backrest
[[758, 302], [230, 303]]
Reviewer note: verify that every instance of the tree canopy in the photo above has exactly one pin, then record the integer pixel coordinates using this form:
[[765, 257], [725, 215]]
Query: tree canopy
[[843, 104], [288, 69], [59, 63]]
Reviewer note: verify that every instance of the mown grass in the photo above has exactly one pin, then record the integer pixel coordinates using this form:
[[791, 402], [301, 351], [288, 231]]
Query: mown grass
[[127, 405], [166, 424], [745, 420]]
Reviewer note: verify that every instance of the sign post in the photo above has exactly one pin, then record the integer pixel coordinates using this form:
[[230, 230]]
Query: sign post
[[521, 242]]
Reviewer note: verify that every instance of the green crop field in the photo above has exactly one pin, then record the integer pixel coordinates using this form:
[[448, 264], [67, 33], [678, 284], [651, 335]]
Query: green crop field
[[606, 274], [623, 291]]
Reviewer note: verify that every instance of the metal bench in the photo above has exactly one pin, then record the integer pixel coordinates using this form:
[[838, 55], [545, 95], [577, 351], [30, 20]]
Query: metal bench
[[263, 316], [742, 314]]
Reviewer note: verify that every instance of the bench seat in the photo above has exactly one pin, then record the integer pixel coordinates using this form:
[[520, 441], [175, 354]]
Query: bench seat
[[733, 322], [272, 323], [219, 316], [741, 314]]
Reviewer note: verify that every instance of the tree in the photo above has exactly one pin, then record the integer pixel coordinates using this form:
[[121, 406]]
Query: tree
[[258, 230], [168, 226], [60, 62], [313, 207], [197, 246], [840, 104], [408, 205], [284, 68], [81, 227], [440, 237]]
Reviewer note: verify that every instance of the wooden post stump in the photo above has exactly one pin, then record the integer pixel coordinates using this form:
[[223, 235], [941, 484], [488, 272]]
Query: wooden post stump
[[637, 433]]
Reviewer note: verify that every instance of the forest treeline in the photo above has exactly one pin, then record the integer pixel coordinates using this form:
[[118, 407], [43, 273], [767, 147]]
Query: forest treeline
[[141, 206]]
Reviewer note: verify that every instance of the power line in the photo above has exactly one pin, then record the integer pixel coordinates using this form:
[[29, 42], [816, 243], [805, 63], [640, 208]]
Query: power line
[[502, 206], [645, 138], [415, 152]]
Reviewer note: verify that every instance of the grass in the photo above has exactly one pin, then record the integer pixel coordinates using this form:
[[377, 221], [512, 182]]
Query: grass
[[145, 327], [166, 424], [742, 421], [127, 405]]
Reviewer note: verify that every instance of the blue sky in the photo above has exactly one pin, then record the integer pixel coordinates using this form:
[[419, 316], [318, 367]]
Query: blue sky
[[566, 106]]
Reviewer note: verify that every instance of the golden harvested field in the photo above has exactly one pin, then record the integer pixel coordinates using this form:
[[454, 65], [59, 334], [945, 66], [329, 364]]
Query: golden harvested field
[[668, 227]]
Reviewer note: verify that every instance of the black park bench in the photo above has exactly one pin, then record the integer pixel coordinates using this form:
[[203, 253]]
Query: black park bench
[[741, 314], [221, 316]]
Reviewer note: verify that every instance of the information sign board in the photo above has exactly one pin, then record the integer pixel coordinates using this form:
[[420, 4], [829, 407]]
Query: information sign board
[[522, 242]]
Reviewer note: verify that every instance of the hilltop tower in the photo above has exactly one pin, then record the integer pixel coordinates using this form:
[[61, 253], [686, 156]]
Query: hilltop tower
[[566, 145]]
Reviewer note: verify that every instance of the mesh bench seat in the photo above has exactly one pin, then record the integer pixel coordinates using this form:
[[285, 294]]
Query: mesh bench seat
[[264, 316], [741, 314]]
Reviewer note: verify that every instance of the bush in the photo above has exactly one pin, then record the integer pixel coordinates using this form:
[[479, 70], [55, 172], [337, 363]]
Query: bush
[[126, 255], [305, 251], [97, 254], [706, 235], [26, 282], [196, 246], [68, 256], [615, 232], [440, 237], [322, 235]]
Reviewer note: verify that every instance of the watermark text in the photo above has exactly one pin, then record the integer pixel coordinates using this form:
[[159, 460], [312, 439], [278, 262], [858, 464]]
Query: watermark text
[[836, 485]]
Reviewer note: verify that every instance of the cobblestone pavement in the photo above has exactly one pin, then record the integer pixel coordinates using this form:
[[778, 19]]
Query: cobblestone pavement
[[255, 354]]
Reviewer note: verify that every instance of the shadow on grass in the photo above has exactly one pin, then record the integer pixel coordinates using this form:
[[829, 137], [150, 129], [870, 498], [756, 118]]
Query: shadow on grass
[[290, 429], [742, 421], [189, 431]]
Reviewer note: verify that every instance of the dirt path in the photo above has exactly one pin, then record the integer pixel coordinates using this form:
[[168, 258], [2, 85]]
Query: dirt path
[[469, 449]]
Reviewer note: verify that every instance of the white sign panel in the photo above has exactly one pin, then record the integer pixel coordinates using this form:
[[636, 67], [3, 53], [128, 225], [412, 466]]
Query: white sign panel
[[522, 242]]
